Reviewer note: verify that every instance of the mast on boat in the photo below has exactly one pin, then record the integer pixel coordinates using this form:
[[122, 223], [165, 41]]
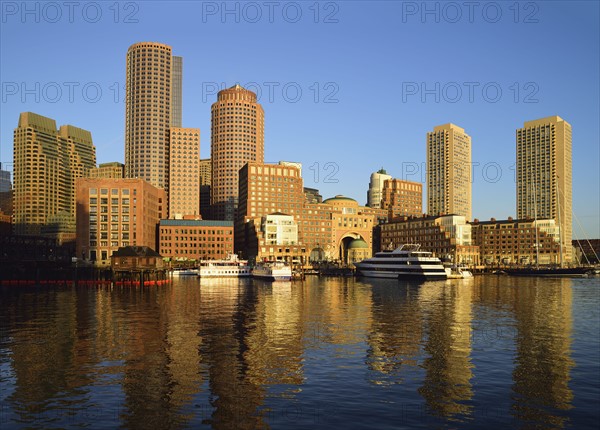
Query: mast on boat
[[537, 240]]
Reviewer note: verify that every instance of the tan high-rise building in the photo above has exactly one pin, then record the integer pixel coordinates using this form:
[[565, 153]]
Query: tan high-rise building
[[544, 175], [148, 113], [449, 171], [113, 213], [237, 137], [184, 171], [46, 163], [402, 198], [113, 170]]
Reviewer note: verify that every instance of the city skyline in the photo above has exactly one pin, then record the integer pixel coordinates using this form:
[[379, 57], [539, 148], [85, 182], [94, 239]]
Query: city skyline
[[339, 143]]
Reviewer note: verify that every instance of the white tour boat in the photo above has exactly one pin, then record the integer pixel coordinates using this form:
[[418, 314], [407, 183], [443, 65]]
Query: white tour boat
[[272, 271], [231, 267], [407, 261]]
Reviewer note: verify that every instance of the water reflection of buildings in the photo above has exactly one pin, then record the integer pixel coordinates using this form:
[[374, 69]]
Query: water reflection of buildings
[[156, 349], [49, 352], [543, 310], [396, 331], [149, 387], [228, 315], [447, 309]]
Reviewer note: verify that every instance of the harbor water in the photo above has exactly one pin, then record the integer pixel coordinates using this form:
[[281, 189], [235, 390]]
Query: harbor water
[[487, 352]]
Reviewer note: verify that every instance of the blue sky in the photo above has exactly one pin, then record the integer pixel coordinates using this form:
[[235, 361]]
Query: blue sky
[[347, 87]]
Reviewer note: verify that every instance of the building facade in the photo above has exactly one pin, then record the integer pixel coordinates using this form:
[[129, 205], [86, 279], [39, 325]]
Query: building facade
[[544, 174], [176, 91], [447, 237], [402, 198], [205, 181], [237, 137], [513, 242], [184, 171], [349, 223], [114, 170], [375, 193], [312, 195], [47, 162], [186, 239], [114, 213], [326, 230], [5, 184], [449, 171], [148, 113], [265, 189]]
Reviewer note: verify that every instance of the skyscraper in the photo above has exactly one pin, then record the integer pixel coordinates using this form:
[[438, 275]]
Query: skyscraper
[[237, 137], [148, 113], [46, 163], [544, 174], [374, 194], [184, 171], [449, 171], [176, 91]]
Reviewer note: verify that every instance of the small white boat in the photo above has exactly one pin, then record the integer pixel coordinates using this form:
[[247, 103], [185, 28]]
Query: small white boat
[[272, 271], [185, 272], [458, 273], [231, 267]]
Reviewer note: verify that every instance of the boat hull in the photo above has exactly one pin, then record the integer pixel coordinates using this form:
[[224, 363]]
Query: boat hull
[[224, 275], [190, 272], [401, 275], [273, 278], [564, 271]]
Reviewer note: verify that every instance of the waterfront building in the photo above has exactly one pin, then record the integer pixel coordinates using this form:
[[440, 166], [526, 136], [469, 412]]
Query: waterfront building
[[237, 137], [136, 258], [274, 237], [184, 172], [114, 170], [47, 162], [449, 171], [544, 174], [402, 198], [315, 232], [266, 189], [191, 239], [349, 223], [325, 230], [114, 213], [448, 237], [513, 241], [375, 193]]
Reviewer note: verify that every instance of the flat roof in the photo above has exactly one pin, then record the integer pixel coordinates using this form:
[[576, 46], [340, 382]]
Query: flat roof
[[195, 223]]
